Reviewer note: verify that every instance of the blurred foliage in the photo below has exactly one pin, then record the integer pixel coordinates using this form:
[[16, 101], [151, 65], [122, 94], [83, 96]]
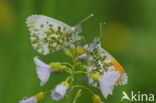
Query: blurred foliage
[[129, 35], [115, 37]]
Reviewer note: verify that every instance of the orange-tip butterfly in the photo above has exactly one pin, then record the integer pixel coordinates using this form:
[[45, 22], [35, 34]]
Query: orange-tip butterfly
[[49, 35]]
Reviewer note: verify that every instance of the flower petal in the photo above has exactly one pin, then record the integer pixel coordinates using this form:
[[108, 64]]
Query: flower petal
[[29, 100], [43, 71], [83, 57], [59, 92], [107, 82]]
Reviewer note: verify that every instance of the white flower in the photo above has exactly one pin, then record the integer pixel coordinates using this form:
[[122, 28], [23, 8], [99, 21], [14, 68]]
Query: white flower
[[43, 70], [107, 82], [59, 92], [29, 100]]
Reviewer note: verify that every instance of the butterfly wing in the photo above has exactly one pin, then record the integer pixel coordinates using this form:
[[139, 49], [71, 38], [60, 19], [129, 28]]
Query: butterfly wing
[[48, 34]]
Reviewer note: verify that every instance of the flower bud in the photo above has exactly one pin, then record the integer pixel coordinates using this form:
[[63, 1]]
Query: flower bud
[[40, 96], [95, 76], [60, 91], [83, 57], [68, 52], [96, 99], [83, 67], [57, 67]]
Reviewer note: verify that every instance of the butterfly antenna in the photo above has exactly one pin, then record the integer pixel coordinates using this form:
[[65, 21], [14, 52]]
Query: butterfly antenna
[[101, 29], [85, 19]]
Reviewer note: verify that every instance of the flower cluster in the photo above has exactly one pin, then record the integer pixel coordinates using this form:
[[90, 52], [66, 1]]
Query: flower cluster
[[91, 60]]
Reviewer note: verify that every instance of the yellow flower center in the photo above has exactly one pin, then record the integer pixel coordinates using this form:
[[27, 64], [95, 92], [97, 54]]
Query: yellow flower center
[[40, 96]]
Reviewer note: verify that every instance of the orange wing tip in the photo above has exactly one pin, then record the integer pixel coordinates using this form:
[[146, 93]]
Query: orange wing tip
[[117, 66]]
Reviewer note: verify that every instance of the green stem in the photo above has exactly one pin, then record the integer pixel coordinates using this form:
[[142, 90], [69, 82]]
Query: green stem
[[84, 87], [81, 72], [68, 78], [65, 63], [47, 92], [68, 70], [71, 82], [78, 94]]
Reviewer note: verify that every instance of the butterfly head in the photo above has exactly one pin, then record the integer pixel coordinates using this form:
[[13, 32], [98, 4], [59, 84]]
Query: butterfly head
[[77, 28]]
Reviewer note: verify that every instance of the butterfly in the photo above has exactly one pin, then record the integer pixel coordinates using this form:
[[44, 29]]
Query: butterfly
[[49, 35], [100, 62]]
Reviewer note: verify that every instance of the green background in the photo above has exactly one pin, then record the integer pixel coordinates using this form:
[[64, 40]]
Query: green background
[[129, 35]]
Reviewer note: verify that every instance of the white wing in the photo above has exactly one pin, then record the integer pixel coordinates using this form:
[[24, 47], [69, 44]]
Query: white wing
[[48, 34]]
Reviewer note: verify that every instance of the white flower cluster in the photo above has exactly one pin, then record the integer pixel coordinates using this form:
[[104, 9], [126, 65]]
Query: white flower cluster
[[44, 71]]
